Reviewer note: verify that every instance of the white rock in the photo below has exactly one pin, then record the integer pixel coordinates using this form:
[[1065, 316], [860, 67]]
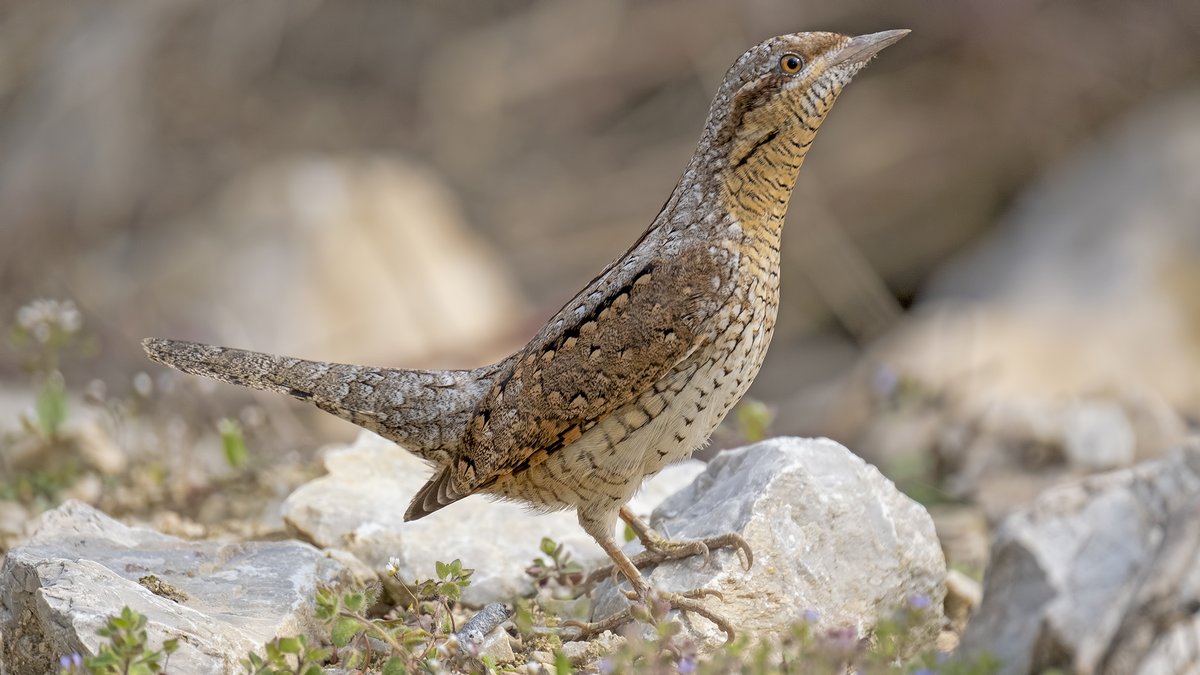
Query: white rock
[[360, 507], [1099, 576], [830, 535], [80, 567], [1098, 436]]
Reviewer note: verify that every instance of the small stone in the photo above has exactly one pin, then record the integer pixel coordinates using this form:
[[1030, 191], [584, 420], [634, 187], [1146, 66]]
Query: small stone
[[483, 623], [498, 646], [584, 652], [963, 595]]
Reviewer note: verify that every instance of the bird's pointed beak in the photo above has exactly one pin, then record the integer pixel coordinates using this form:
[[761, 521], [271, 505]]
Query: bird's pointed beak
[[860, 49]]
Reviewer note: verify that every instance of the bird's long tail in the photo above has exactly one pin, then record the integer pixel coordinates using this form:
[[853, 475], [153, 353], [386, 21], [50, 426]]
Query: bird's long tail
[[426, 411]]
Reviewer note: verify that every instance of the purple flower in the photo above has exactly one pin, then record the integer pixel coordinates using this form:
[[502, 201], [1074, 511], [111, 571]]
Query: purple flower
[[687, 665], [811, 615], [64, 662], [919, 601], [842, 639], [925, 671]]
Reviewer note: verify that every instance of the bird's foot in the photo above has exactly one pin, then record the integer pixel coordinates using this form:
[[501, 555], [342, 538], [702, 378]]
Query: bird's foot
[[654, 608], [660, 549]]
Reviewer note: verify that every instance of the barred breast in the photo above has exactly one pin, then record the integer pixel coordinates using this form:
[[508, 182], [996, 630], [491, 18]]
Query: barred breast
[[667, 423]]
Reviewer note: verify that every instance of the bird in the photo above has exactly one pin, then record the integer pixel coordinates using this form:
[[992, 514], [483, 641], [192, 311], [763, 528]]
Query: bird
[[639, 368]]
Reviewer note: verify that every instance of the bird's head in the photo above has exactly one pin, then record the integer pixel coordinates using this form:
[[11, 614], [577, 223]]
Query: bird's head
[[784, 87]]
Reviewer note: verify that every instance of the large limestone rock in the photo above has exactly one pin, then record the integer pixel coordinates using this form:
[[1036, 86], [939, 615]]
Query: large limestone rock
[[1099, 576], [359, 507], [830, 535], [221, 600]]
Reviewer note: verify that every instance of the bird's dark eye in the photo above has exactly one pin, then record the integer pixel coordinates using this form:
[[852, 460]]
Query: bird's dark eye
[[791, 63]]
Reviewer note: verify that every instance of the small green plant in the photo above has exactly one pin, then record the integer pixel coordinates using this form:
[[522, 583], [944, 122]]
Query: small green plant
[[44, 330], [559, 569], [405, 640], [287, 656], [126, 652]]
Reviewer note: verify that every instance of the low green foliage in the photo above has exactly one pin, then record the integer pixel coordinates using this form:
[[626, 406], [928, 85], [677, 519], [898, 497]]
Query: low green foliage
[[893, 648], [126, 652], [404, 640], [287, 656]]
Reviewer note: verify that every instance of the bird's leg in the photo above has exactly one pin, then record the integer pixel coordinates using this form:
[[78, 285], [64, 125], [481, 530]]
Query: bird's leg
[[688, 601], [659, 548]]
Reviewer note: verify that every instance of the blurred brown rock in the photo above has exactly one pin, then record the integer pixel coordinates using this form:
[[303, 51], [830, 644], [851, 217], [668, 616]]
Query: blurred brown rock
[[353, 260]]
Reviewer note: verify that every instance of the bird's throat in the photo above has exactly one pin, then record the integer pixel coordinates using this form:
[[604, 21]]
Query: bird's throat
[[758, 179]]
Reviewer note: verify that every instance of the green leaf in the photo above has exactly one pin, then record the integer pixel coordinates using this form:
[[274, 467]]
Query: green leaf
[[395, 666], [548, 546], [345, 630], [562, 665], [170, 646], [443, 570], [233, 442], [354, 601], [289, 645]]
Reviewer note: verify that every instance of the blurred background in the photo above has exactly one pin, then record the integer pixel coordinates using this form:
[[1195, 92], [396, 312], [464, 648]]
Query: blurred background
[[991, 261]]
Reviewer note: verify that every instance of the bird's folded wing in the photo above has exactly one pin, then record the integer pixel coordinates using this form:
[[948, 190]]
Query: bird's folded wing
[[603, 350]]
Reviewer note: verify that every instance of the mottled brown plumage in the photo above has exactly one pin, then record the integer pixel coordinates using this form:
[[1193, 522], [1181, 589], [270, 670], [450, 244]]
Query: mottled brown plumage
[[642, 365]]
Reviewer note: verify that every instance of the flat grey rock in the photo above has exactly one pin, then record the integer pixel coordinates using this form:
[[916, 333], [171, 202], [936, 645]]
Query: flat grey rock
[[1099, 576], [359, 507], [830, 535], [80, 567]]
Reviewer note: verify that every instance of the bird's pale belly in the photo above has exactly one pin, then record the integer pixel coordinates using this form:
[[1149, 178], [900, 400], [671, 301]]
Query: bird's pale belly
[[665, 425]]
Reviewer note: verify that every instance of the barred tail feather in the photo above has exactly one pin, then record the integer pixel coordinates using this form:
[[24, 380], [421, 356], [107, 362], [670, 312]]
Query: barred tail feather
[[426, 411]]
